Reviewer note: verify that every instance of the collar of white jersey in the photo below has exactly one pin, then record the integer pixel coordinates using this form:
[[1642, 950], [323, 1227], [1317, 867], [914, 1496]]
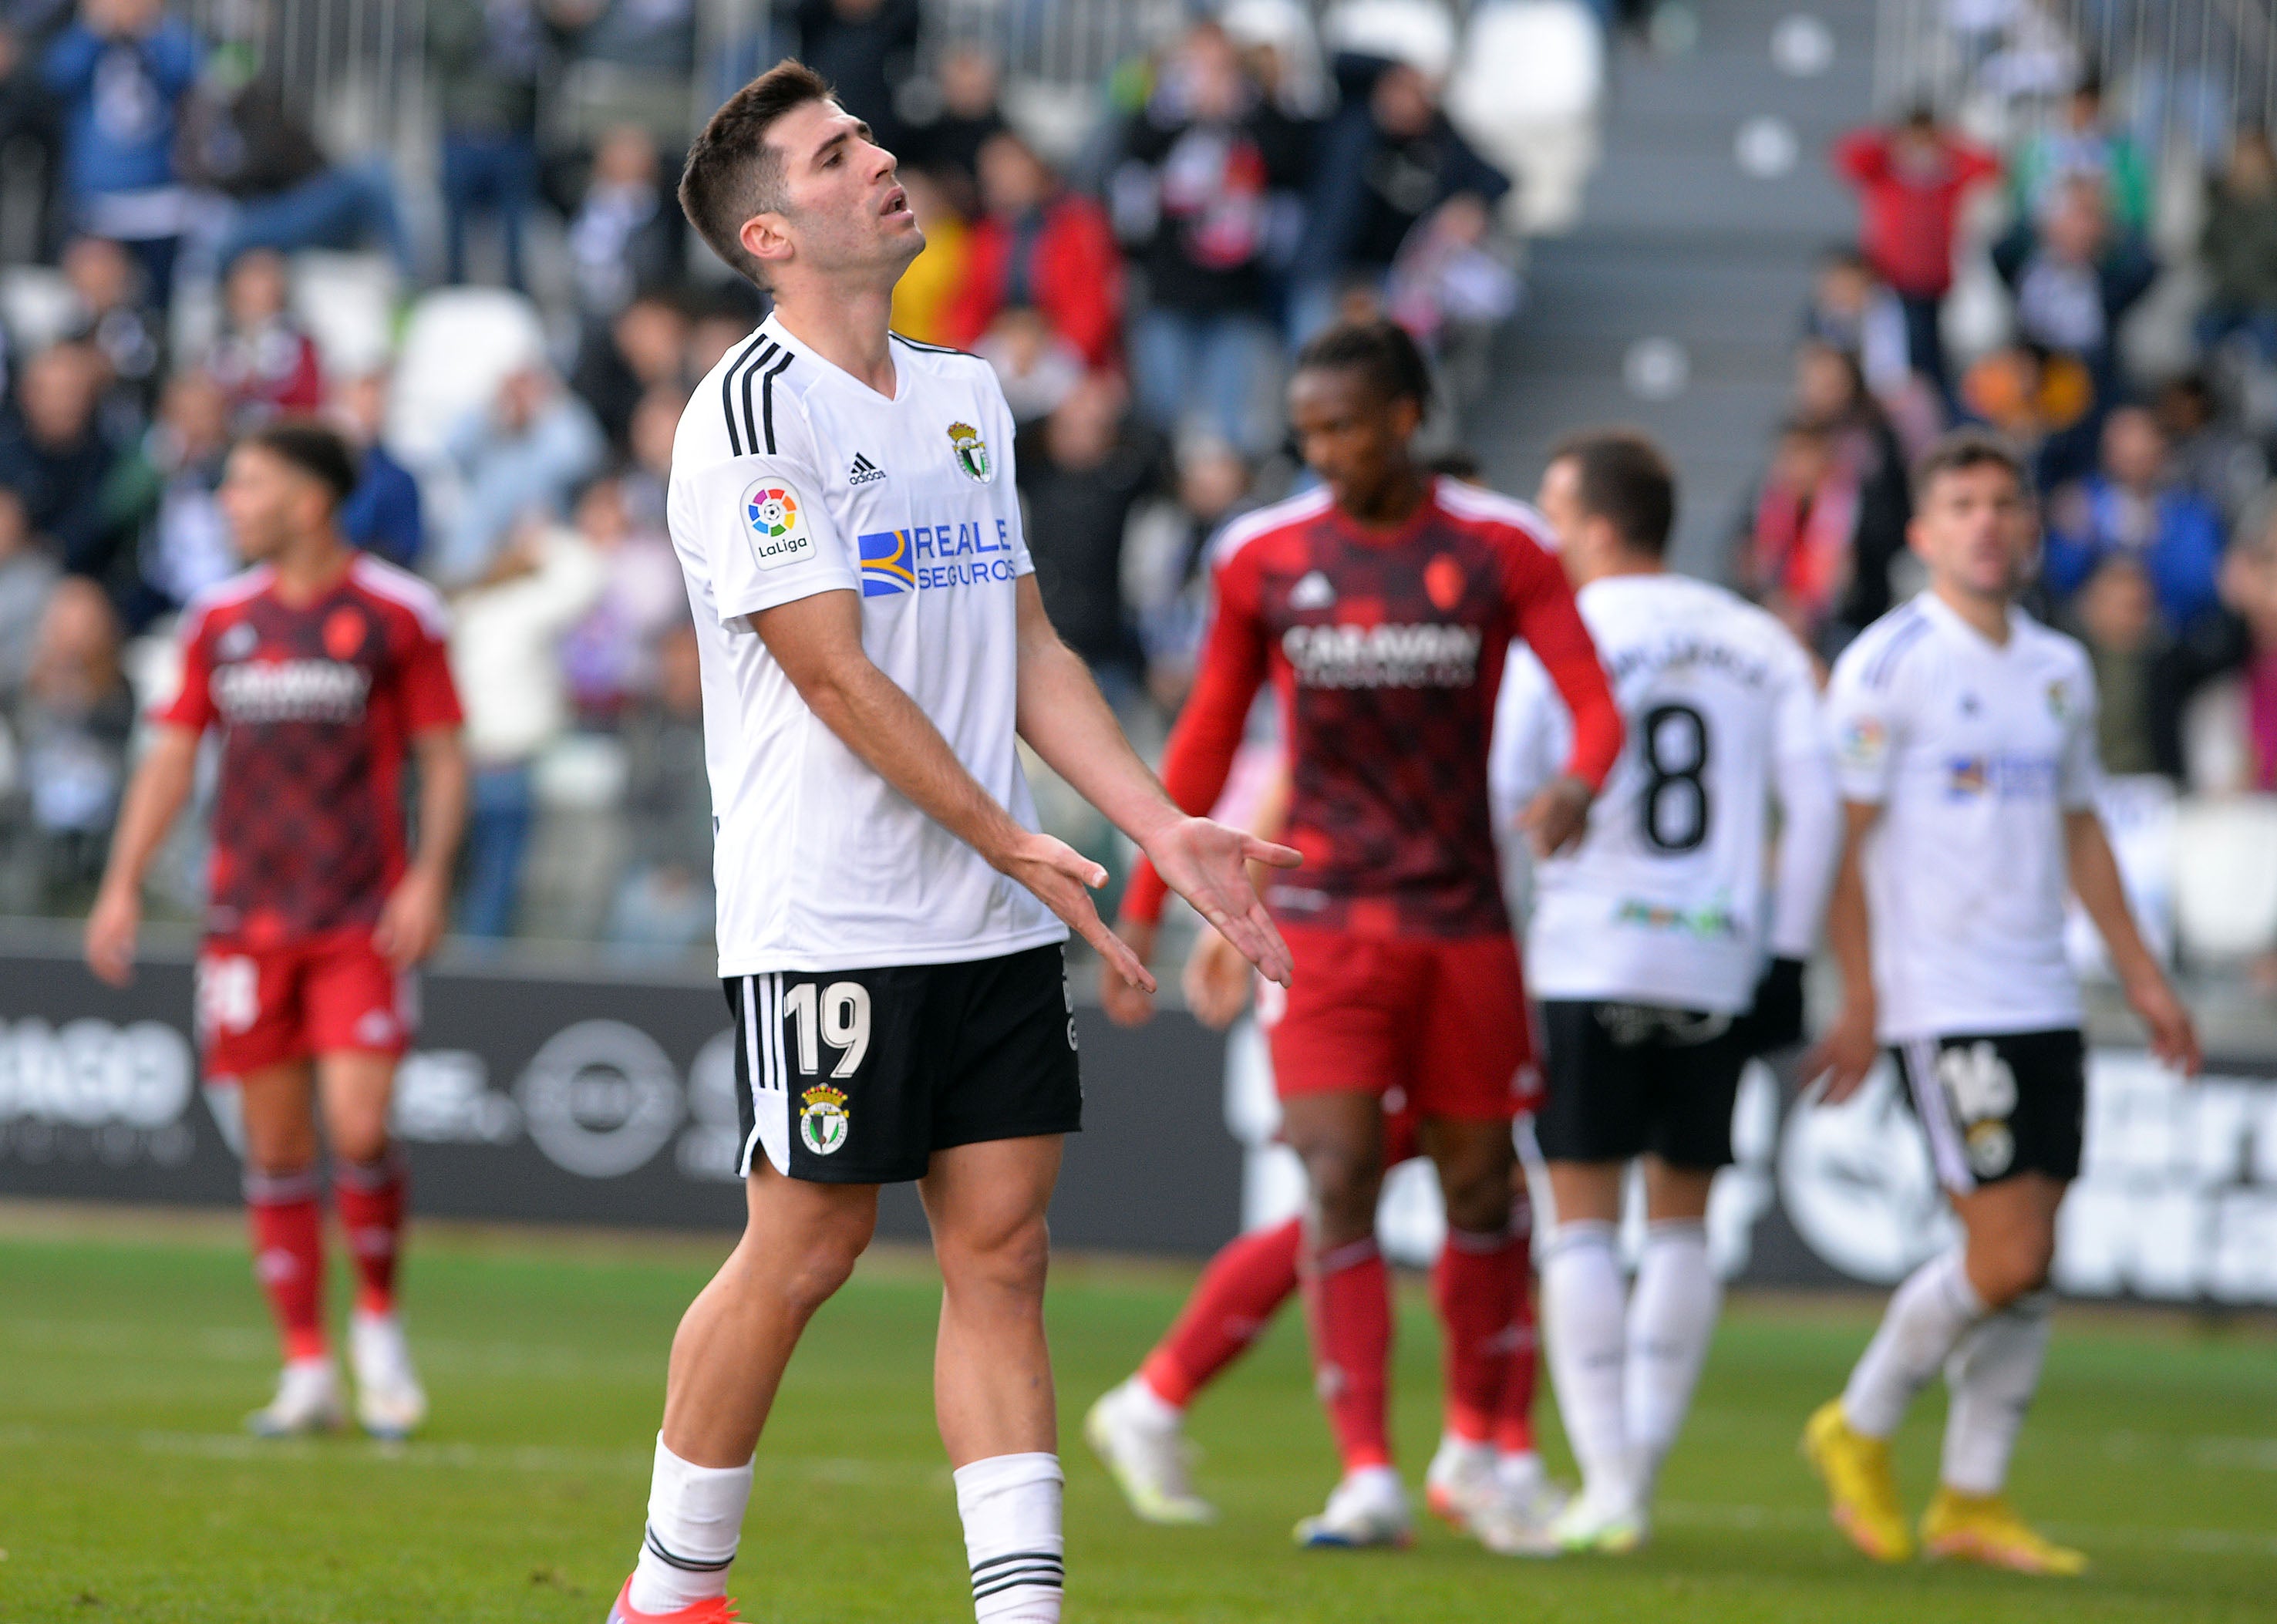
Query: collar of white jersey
[[824, 367], [1951, 619]]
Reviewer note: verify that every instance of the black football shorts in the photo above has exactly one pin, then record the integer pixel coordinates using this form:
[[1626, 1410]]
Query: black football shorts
[[1994, 1105], [859, 1076], [1626, 1079]]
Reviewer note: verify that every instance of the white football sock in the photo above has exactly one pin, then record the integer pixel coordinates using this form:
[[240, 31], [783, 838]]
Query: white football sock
[[695, 1519], [1148, 1408], [1582, 1330], [1010, 1504], [1926, 1318], [1671, 1315], [1992, 1375]]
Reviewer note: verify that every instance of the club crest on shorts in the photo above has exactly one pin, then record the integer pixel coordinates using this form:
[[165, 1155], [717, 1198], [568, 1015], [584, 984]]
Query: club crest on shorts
[[971, 452], [822, 1120]]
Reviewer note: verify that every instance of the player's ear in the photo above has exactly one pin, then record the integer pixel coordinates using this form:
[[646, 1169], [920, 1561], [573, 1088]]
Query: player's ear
[[766, 238], [1406, 415]]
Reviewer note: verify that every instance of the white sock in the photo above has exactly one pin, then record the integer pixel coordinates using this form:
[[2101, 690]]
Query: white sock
[[695, 1518], [1518, 1471], [1460, 1456], [1010, 1504], [1671, 1315], [1150, 1409], [1582, 1331], [1993, 1375], [1926, 1318]]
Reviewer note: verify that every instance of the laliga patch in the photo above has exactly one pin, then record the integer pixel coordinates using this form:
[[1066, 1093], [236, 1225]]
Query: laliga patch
[[774, 524], [822, 1123], [1863, 744]]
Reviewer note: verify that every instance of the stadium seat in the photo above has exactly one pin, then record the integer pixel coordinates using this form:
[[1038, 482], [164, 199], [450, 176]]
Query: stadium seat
[[1419, 32], [1526, 89], [348, 304], [458, 346], [2225, 877]]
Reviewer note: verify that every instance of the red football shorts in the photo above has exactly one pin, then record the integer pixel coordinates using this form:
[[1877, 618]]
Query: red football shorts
[[263, 1006], [1444, 1022]]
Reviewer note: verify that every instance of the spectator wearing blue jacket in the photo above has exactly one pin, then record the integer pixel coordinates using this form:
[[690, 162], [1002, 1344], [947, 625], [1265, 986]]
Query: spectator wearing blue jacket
[[119, 73], [383, 514], [2129, 507]]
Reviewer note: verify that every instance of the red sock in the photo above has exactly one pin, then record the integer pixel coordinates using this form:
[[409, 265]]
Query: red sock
[[1348, 1300], [369, 1196], [288, 1256], [1474, 1284], [1234, 1299], [1514, 1421]]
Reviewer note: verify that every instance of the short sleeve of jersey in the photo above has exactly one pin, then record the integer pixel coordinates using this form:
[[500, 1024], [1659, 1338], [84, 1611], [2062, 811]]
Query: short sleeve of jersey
[[1799, 726], [1864, 717], [2080, 772], [192, 705], [765, 536], [430, 698], [1528, 736]]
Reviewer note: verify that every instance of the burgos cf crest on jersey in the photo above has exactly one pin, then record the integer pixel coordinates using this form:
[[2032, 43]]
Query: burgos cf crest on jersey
[[822, 1120], [774, 524], [971, 452]]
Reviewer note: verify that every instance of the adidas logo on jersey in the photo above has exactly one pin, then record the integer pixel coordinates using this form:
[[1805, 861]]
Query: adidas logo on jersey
[[863, 471], [1313, 592]]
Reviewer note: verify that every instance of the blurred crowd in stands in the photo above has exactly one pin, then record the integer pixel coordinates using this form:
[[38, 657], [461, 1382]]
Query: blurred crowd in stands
[[2153, 474], [1138, 292]]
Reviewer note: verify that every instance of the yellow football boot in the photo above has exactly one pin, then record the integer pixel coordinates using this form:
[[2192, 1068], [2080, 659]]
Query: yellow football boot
[[1973, 1527], [1861, 1495]]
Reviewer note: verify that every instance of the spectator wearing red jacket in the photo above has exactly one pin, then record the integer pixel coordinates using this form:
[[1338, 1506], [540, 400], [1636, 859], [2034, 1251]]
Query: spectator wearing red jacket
[[1910, 180], [1039, 246]]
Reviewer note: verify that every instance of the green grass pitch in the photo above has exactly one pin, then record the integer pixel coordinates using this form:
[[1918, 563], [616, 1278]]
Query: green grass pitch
[[128, 1356]]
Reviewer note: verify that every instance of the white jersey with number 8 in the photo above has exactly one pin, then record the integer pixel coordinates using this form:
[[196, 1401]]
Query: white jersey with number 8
[[1668, 900]]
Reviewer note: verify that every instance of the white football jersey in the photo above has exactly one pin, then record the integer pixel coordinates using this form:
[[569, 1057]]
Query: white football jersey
[[1667, 900], [1975, 751], [790, 478]]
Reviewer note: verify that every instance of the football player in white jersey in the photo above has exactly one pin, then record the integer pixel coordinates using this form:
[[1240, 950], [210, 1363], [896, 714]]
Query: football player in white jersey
[[1964, 739], [1664, 952], [890, 918]]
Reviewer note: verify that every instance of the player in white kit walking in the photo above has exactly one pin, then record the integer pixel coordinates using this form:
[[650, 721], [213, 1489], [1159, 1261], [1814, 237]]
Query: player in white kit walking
[[1964, 738], [1648, 944], [872, 642]]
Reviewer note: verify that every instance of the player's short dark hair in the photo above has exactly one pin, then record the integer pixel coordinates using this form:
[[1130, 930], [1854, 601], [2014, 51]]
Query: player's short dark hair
[[732, 173], [1622, 478], [1381, 349], [316, 448], [1959, 451], [1459, 462]]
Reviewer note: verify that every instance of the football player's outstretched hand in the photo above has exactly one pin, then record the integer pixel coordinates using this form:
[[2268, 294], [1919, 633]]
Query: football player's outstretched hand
[[1207, 864]]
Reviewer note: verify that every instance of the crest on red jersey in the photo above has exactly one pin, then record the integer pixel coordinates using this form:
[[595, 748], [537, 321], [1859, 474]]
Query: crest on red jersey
[[344, 633], [1443, 581]]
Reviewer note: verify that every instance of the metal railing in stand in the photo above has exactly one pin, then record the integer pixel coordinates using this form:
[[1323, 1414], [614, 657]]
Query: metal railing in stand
[[353, 70], [2184, 73]]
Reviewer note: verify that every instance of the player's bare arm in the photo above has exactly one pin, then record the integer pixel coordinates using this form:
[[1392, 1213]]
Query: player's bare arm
[[1065, 719], [1558, 815], [160, 788], [419, 909], [2094, 880], [1844, 1052]]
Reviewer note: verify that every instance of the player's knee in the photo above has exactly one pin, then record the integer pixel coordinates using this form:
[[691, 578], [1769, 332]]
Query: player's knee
[[1013, 1258], [360, 1140], [1481, 1204], [1345, 1185], [2010, 1267]]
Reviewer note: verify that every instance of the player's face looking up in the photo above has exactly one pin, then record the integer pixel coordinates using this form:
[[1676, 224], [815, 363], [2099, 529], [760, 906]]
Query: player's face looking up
[[1974, 530], [269, 503], [1355, 438], [843, 209]]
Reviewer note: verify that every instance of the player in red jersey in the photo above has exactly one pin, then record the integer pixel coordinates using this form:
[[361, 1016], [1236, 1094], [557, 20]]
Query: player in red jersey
[[1381, 607], [322, 668]]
